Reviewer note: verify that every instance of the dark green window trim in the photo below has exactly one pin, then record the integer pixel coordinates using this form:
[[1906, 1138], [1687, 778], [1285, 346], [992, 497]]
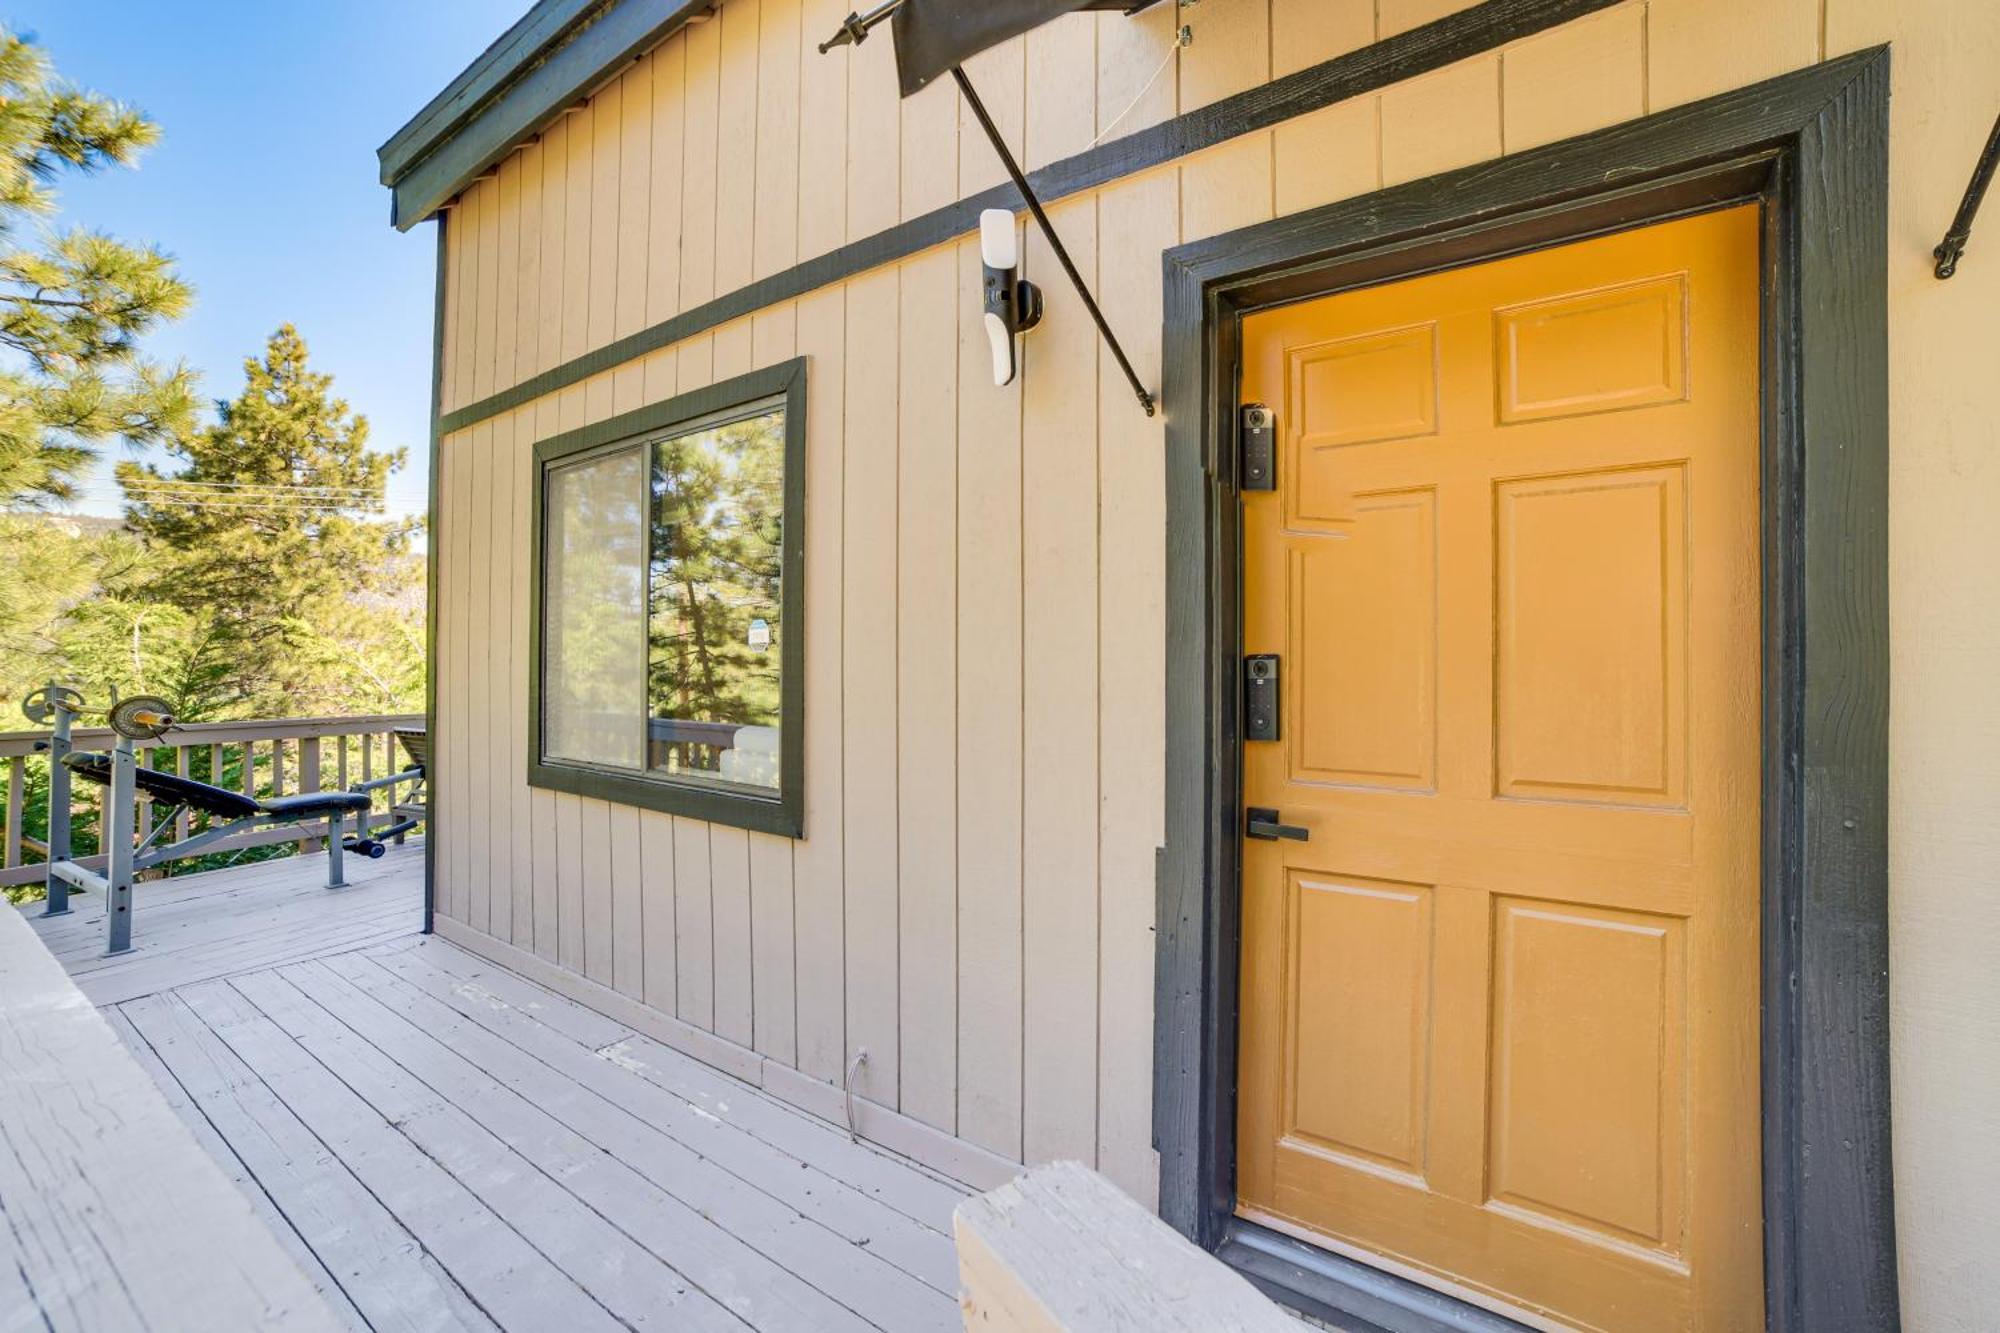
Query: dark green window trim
[[784, 813]]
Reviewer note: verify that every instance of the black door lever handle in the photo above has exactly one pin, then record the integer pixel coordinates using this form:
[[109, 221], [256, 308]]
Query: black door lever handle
[[1264, 826]]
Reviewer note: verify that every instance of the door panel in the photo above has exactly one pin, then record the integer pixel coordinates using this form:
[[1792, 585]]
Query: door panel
[[1499, 1014]]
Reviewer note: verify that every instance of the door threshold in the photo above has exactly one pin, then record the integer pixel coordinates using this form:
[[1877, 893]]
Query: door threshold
[[1347, 1293]]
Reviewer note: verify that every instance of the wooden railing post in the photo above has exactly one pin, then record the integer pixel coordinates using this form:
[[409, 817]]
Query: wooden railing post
[[309, 781], [17, 795]]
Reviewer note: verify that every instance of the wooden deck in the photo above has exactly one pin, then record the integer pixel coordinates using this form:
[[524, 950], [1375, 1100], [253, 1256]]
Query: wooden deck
[[443, 1144]]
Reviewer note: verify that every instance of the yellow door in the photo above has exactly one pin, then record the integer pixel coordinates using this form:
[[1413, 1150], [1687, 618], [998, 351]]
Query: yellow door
[[1499, 1020]]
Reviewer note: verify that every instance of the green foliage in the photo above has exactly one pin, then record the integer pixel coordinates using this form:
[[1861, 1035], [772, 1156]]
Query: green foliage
[[74, 304], [289, 594], [718, 515]]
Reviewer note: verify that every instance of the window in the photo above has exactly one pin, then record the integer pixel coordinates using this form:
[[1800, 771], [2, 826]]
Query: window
[[666, 616]]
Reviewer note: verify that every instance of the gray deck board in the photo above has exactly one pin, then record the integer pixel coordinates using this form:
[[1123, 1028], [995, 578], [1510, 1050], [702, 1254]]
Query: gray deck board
[[439, 1143]]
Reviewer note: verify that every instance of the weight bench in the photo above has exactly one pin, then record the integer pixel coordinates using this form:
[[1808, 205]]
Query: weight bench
[[242, 814]]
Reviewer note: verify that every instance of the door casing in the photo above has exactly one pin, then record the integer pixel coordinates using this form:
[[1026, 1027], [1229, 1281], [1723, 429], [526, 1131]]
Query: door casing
[[1812, 149]]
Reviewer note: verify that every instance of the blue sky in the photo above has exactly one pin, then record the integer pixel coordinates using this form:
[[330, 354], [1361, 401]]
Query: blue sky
[[263, 185]]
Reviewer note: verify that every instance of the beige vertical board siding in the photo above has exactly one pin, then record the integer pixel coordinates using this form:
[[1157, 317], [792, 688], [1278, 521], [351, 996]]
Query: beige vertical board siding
[[528, 277], [545, 804], [736, 153], [577, 233], [477, 790], [777, 236], [818, 860], [927, 684], [446, 872], [694, 924], [989, 739], [453, 298], [1394, 16], [1443, 120], [464, 242], [1944, 655], [544, 917], [656, 910], [635, 173], [496, 644], [929, 173], [822, 131], [457, 699], [1000, 75], [1575, 78], [1059, 691], [698, 162], [1698, 47], [479, 574], [1333, 153], [1137, 220], [507, 322], [773, 961], [521, 831], [486, 328], [548, 333], [1231, 51], [1307, 32], [729, 848], [664, 204], [1137, 64], [1062, 89], [735, 986], [608, 133], [874, 140], [1227, 187], [594, 821], [628, 927], [569, 882], [868, 680]]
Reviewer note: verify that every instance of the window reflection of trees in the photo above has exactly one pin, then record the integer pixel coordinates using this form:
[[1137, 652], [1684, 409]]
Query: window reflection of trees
[[717, 501], [595, 644]]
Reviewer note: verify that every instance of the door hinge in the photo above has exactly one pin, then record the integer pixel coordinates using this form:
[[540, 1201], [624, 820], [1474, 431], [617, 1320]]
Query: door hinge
[[1256, 448]]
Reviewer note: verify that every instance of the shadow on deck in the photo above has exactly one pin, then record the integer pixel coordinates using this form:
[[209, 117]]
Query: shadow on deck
[[440, 1143]]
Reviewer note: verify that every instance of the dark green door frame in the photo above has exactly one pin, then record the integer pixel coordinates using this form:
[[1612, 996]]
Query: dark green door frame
[[1812, 147]]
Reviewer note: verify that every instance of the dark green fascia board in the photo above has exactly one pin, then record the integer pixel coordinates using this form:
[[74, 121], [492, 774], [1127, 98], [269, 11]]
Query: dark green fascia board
[[565, 48], [536, 33]]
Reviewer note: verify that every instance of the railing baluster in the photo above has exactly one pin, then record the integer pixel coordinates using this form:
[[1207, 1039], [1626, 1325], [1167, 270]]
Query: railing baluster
[[183, 822], [367, 775], [17, 795], [277, 767]]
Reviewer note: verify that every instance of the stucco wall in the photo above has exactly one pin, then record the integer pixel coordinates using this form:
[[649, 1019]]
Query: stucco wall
[[974, 900]]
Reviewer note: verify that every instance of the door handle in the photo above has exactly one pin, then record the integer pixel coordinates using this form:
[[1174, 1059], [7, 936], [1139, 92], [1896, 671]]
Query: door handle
[[1264, 826]]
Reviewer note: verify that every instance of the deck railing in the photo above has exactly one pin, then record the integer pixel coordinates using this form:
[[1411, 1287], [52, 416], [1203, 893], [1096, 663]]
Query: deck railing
[[258, 758]]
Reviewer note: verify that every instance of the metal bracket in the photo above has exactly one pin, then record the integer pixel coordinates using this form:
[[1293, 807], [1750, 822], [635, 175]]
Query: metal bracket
[[1952, 247]]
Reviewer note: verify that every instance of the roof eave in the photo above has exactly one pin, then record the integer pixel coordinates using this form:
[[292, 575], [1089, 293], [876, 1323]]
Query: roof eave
[[548, 61]]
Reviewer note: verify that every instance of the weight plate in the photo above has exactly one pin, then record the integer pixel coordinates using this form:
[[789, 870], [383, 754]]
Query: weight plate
[[143, 717], [40, 707]]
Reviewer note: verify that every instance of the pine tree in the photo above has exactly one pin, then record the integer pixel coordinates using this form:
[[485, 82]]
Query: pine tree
[[74, 304], [269, 540]]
